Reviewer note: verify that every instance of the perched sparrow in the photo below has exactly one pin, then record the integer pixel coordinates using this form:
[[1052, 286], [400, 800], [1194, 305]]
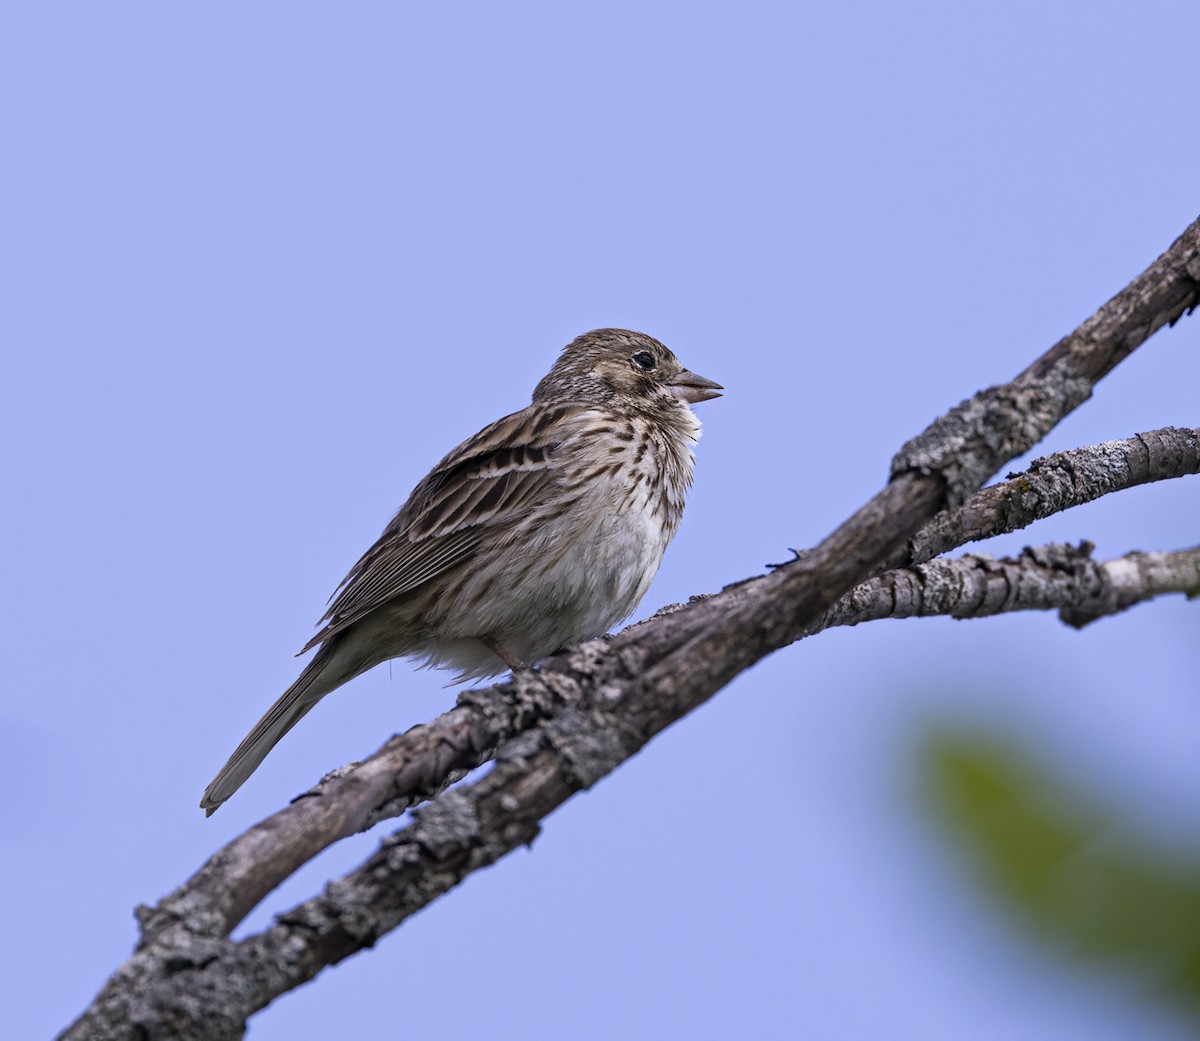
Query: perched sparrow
[[542, 530]]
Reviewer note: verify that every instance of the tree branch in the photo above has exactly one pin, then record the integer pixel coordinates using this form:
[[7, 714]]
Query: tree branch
[[1133, 579], [415, 766], [606, 700], [1043, 578], [474, 825], [1057, 482]]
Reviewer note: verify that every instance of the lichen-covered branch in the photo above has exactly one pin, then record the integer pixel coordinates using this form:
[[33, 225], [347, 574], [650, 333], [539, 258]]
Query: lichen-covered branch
[[415, 766], [1043, 578], [1133, 579], [474, 825], [1057, 482], [604, 701]]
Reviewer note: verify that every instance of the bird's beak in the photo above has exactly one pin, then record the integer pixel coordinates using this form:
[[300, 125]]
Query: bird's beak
[[689, 387]]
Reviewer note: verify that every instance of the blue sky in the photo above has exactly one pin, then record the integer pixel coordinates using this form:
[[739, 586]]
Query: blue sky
[[264, 264]]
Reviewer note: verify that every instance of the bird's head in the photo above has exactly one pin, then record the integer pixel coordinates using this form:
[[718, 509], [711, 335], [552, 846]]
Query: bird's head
[[618, 363]]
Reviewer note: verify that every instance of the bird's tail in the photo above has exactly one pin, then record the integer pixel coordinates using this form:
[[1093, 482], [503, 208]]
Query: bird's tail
[[319, 677]]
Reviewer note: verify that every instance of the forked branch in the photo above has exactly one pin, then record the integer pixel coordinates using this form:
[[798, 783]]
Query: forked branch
[[579, 715]]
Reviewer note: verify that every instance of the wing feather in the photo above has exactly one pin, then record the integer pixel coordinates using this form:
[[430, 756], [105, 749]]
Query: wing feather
[[490, 480]]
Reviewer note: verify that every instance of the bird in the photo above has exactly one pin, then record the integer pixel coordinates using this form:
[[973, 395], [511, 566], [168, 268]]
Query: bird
[[543, 530]]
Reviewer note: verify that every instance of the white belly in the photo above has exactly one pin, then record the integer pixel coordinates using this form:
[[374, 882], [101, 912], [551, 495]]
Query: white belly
[[572, 577]]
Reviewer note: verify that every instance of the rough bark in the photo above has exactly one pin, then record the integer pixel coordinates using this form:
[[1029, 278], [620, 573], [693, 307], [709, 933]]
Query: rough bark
[[1042, 578], [1057, 482], [582, 713]]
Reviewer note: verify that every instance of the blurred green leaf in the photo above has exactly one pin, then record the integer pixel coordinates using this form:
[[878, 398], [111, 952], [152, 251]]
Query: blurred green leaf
[[1070, 871]]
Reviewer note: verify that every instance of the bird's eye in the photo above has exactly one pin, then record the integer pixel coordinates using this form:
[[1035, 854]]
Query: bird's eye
[[644, 360]]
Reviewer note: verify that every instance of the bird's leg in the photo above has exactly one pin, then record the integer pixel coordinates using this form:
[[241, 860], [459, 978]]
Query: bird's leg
[[499, 650]]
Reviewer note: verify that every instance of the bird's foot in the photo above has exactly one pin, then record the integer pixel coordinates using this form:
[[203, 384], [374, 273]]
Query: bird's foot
[[501, 652]]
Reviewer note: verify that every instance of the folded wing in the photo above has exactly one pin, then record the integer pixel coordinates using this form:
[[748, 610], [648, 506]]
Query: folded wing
[[491, 480]]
